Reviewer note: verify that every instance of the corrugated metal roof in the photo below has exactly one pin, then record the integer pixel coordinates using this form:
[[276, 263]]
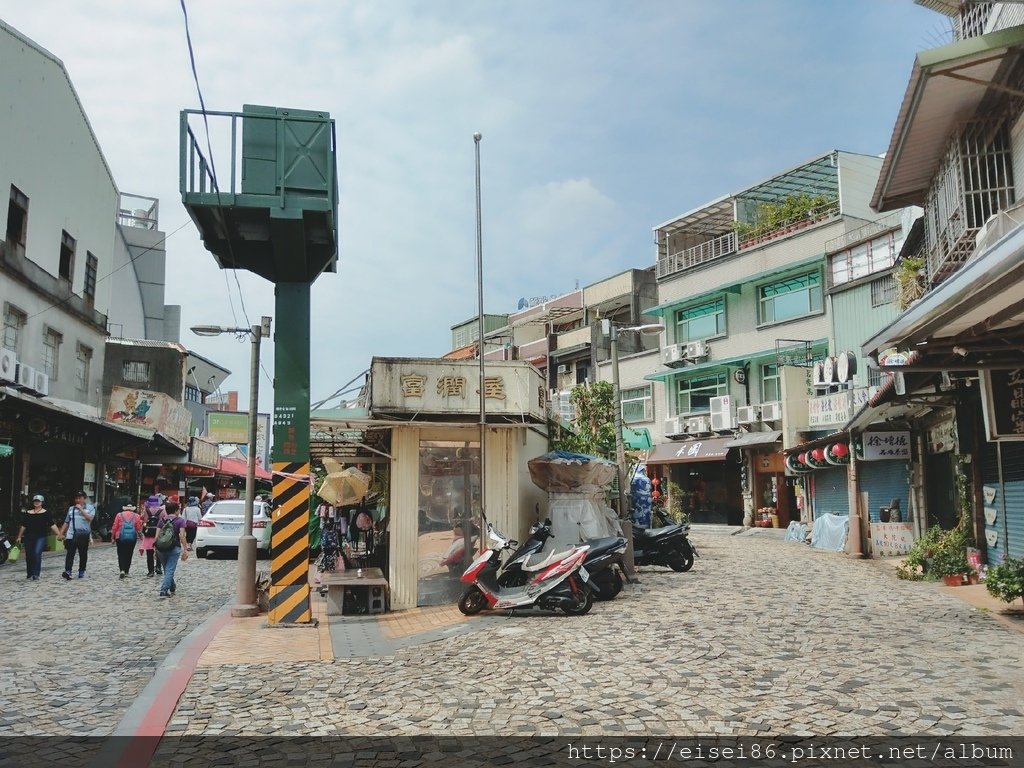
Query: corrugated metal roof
[[938, 100]]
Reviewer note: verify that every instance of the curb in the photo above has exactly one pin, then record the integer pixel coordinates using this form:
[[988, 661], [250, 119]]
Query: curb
[[153, 708]]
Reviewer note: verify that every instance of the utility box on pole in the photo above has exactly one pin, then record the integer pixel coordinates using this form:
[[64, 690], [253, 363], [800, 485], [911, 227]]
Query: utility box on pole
[[262, 188]]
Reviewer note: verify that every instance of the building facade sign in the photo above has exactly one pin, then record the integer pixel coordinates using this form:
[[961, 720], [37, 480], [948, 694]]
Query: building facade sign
[[204, 453], [232, 427], [942, 437], [452, 387], [1003, 399], [886, 445], [835, 409], [150, 410]]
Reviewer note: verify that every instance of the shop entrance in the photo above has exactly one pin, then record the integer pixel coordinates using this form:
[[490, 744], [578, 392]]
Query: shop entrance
[[449, 511], [940, 495]]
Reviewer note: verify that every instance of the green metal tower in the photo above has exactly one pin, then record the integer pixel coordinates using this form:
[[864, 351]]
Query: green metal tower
[[261, 186]]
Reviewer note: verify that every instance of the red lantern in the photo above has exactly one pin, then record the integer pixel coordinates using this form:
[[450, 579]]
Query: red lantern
[[839, 450], [818, 454], [655, 495], [802, 458]]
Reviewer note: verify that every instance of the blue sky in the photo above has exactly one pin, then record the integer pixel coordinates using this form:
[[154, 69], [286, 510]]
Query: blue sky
[[600, 120]]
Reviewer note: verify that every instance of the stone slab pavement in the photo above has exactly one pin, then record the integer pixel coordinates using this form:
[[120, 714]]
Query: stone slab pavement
[[763, 637], [76, 655]]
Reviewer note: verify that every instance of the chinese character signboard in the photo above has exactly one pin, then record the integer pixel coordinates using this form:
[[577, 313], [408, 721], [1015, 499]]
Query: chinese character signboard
[[891, 539], [1004, 403], [233, 427], [435, 387], [835, 409], [886, 445]]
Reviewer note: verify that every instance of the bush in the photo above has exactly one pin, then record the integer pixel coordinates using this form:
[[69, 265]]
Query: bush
[[1006, 580], [916, 565]]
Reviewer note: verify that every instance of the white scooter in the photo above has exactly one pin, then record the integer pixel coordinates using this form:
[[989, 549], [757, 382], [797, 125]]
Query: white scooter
[[559, 581]]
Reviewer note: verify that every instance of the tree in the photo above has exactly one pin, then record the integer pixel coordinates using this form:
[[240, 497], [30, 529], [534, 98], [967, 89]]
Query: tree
[[593, 426]]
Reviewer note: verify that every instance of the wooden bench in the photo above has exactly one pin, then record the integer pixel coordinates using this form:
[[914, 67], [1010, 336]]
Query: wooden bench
[[337, 582]]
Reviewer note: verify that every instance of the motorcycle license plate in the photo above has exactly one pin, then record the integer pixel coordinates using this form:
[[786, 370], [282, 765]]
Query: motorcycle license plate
[[584, 574]]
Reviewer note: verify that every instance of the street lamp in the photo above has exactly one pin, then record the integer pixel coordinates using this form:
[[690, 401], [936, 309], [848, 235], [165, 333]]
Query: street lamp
[[620, 451], [480, 325], [245, 590]]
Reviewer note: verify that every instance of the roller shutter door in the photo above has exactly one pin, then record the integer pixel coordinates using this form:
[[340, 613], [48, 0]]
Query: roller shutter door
[[831, 491], [884, 481], [1009, 501]]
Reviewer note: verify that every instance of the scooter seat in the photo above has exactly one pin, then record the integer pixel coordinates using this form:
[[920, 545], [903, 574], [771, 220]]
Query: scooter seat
[[606, 544], [656, 532], [532, 565]]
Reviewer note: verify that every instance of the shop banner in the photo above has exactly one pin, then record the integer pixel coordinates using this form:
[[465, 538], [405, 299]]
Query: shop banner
[[150, 410], [835, 409], [891, 539], [204, 453]]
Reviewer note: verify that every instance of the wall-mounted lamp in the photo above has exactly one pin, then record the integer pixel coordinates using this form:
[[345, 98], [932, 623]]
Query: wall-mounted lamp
[[960, 351]]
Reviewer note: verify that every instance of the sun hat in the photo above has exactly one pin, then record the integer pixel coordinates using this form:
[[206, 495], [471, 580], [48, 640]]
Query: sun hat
[[153, 501], [193, 501], [38, 497]]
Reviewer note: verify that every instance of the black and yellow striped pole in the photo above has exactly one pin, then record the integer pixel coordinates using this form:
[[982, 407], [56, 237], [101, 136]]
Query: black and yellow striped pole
[[289, 544]]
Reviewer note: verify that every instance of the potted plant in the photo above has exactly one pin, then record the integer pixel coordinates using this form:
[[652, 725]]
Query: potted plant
[[1006, 580], [949, 562]]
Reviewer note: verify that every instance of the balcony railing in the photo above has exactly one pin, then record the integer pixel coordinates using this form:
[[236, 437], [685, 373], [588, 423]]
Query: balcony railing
[[533, 349], [865, 232], [574, 338], [698, 254], [138, 211], [972, 20]]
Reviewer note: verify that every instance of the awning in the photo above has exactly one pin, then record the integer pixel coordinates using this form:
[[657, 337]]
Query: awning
[[637, 439], [754, 438], [239, 468], [819, 442], [712, 449], [668, 307], [946, 87]]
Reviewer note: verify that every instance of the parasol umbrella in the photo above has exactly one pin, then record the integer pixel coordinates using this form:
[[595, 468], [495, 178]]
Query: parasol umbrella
[[348, 486]]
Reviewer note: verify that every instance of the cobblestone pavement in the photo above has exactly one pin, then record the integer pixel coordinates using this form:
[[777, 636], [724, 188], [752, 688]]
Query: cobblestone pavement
[[762, 637], [75, 654]]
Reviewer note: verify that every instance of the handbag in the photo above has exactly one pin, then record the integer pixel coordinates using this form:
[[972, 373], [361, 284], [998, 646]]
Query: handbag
[[13, 553]]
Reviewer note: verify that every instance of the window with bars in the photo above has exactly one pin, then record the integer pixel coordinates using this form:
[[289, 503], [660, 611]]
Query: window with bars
[[883, 291], [791, 298], [51, 352], [694, 395], [66, 267], [135, 371], [701, 322], [91, 266], [17, 222], [14, 321], [637, 404], [83, 362]]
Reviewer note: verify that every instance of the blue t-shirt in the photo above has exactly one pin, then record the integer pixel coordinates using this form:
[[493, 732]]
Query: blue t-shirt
[[77, 524]]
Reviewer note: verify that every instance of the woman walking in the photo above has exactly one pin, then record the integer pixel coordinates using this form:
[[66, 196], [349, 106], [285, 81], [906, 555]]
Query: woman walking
[[77, 534], [151, 514], [175, 548], [125, 533], [192, 514], [35, 523]]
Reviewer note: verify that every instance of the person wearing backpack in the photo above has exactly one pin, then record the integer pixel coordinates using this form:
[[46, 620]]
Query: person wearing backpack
[[171, 545], [125, 533], [77, 533], [152, 518]]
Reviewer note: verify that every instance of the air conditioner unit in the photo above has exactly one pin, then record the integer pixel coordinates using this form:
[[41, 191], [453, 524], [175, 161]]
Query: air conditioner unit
[[747, 414], [674, 355], [563, 368], [8, 365], [723, 413], [42, 383], [673, 426], [771, 411], [695, 350], [26, 376], [696, 425]]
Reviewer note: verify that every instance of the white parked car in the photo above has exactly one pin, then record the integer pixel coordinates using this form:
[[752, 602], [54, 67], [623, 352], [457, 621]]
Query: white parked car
[[221, 527]]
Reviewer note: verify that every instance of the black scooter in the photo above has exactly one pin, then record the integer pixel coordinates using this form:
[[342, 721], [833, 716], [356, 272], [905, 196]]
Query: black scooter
[[603, 562], [669, 545]]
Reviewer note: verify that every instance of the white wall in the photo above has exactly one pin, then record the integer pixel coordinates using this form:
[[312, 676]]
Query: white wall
[[858, 175]]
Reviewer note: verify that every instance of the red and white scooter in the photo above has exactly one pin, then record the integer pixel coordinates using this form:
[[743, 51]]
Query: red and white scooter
[[559, 581]]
